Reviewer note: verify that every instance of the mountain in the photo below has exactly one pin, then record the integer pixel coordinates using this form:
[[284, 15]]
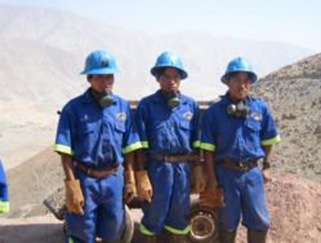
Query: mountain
[[43, 51], [50, 46]]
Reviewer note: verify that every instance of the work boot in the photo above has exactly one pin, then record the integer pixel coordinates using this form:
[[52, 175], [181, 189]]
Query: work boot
[[111, 241], [256, 236], [173, 238], [227, 236], [148, 238]]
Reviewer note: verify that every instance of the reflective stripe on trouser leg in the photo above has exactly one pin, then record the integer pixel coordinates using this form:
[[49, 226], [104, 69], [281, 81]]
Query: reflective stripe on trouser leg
[[4, 207], [177, 221], [166, 208]]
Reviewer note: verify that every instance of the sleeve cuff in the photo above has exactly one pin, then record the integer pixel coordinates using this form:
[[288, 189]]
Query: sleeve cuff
[[271, 141], [63, 149], [208, 147]]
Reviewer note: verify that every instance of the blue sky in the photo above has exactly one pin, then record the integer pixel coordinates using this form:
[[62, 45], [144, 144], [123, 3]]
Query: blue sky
[[296, 22]]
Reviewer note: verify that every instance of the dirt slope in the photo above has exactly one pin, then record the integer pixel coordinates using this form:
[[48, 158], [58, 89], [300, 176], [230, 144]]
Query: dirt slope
[[294, 204]]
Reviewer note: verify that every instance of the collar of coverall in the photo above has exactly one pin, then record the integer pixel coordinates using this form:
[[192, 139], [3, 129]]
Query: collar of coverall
[[227, 100]]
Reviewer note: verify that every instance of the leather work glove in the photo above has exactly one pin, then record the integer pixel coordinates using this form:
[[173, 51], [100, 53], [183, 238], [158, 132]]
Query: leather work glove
[[144, 187], [199, 179], [74, 197], [212, 198], [130, 186]]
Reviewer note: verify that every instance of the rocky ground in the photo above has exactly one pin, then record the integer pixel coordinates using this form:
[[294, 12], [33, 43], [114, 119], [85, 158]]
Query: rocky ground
[[294, 204]]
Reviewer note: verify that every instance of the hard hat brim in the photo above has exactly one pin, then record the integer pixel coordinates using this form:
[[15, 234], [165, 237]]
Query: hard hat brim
[[100, 71], [155, 69], [254, 77]]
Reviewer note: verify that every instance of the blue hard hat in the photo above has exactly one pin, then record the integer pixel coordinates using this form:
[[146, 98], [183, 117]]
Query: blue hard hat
[[100, 62], [169, 60], [239, 64]]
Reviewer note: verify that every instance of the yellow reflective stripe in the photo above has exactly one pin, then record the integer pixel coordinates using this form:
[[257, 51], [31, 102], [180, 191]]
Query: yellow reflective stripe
[[144, 230], [70, 240], [177, 231], [271, 141], [145, 144], [4, 207], [132, 147], [63, 149], [208, 147], [197, 144]]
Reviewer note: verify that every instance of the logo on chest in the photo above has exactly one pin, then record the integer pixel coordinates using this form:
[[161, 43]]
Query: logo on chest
[[121, 116], [256, 116], [188, 115]]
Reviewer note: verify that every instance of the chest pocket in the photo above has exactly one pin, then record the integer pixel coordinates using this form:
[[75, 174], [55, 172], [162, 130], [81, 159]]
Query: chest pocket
[[253, 125], [85, 129], [185, 125], [120, 127], [158, 135], [159, 129]]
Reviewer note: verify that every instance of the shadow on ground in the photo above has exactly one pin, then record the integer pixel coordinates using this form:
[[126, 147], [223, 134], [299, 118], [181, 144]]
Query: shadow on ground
[[49, 233]]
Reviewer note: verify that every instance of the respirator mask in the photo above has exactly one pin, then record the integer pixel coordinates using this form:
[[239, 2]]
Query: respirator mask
[[239, 110], [171, 98], [104, 99]]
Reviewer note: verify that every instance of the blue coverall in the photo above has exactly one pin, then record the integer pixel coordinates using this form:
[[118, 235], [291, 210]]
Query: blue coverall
[[167, 131], [4, 195], [240, 139], [97, 137]]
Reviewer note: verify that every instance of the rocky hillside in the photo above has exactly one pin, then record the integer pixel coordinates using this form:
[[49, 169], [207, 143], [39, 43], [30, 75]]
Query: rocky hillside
[[294, 94]]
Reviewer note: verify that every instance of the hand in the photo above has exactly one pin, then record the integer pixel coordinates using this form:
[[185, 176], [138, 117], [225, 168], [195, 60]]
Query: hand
[[74, 197], [130, 187], [212, 198], [267, 175], [144, 187], [199, 179], [212, 184]]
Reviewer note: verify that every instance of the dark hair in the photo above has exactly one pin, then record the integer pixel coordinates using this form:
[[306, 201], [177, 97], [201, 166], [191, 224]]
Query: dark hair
[[159, 72], [233, 74]]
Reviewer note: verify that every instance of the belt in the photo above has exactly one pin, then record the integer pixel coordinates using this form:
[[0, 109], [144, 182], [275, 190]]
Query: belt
[[96, 173], [241, 166], [173, 158]]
